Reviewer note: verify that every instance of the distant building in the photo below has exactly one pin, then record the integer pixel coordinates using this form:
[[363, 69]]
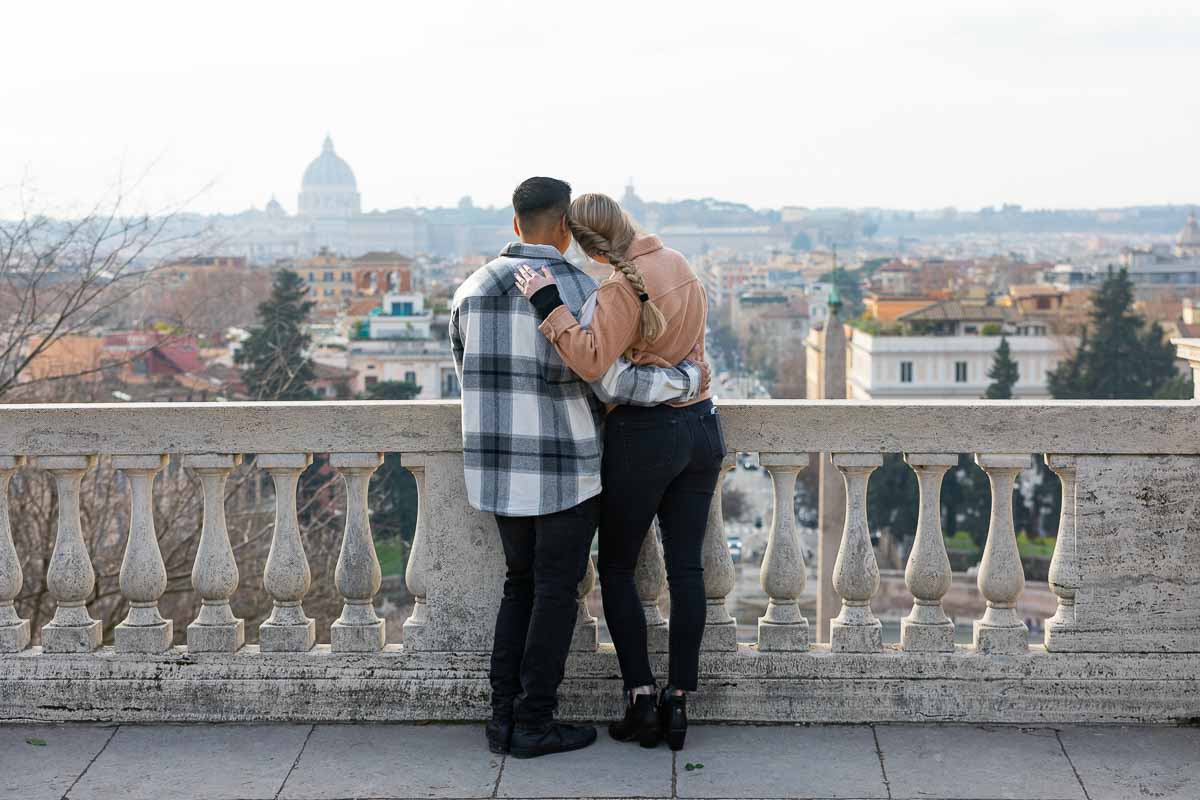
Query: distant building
[[396, 342], [946, 349], [1148, 267], [335, 282]]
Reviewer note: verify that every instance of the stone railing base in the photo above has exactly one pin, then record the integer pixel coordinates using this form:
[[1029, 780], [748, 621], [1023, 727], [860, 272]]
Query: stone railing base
[[742, 686]]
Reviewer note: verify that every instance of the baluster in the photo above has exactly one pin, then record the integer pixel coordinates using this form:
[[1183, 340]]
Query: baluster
[[587, 633], [215, 571], [783, 574], [70, 577], [359, 629], [855, 572], [927, 575], [1001, 576], [651, 579], [14, 631], [418, 562], [287, 576], [1064, 577], [143, 576], [720, 577]]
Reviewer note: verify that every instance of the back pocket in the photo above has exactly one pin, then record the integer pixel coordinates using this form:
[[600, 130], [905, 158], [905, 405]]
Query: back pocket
[[714, 434], [648, 446]]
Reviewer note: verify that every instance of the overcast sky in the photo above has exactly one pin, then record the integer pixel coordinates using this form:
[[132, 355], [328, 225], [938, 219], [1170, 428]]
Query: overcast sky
[[913, 104]]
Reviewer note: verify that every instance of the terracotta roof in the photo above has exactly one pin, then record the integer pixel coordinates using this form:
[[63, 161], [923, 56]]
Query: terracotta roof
[[956, 310]]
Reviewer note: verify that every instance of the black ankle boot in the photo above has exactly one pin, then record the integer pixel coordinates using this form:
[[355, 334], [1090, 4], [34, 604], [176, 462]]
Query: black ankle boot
[[499, 732], [672, 718], [640, 723], [552, 737]]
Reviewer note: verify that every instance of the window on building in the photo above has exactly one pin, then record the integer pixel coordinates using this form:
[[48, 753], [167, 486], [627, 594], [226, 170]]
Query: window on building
[[346, 278], [329, 292], [450, 384], [328, 276], [410, 377], [906, 372], [960, 372], [370, 380], [312, 277]]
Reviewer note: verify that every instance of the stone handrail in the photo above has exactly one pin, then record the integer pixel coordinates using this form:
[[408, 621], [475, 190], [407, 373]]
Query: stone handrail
[[1126, 570]]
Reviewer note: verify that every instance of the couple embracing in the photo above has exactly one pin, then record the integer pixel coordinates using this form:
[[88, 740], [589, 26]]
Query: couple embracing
[[586, 407]]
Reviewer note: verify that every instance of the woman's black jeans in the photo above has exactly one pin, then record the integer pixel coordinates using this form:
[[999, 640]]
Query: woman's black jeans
[[665, 461]]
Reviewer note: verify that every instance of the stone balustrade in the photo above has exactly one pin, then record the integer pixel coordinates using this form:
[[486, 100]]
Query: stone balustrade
[[1123, 646]]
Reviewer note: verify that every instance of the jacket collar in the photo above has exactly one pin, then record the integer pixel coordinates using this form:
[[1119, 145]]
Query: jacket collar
[[643, 244], [522, 250]]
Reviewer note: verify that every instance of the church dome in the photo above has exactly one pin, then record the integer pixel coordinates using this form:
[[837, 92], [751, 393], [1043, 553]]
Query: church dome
[[328, 169], [328, 189]]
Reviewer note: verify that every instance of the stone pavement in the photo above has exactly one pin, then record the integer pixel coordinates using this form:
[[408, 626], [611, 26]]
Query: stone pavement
[[331, 762]]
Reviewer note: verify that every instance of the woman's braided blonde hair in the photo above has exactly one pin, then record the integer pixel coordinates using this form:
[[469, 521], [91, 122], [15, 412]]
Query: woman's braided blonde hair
[[603, 229]]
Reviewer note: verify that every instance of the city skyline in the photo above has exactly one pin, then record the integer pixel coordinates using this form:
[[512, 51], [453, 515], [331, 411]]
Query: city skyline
[[1085, 106]]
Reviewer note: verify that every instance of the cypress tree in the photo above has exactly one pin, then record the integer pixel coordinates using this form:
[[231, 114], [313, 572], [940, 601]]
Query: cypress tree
[[1120, 356], [1003, 374], [274, 359]]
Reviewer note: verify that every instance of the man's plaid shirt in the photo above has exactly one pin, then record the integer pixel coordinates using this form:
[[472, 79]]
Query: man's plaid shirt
[[532, 429]]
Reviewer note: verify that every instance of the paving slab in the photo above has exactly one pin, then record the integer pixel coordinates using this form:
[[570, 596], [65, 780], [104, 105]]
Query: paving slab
[[1119, 763], [342, 761], [976, 762], [605, 769], [193, 762], [36, 771], [832, 761]]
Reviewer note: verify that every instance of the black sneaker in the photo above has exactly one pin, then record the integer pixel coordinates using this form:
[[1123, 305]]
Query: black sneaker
[[640, 724], [553, 737], [499, 735], [672, 718]]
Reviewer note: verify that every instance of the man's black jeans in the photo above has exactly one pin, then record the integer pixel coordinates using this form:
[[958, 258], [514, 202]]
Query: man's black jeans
[[665, 461], [546, 558]]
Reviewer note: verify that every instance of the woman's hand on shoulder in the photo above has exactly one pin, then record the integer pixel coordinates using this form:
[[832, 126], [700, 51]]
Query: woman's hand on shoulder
[[529, 281]]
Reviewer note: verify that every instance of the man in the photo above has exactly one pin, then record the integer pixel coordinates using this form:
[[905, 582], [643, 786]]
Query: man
[[531, 449]]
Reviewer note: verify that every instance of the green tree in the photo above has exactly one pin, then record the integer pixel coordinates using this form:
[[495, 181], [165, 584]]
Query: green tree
[[1003, 374], [393, 390], [393, 488], [1120, 356], [274, 359]]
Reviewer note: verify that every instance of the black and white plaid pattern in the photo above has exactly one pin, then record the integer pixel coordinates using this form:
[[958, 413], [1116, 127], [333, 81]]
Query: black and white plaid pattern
[[531, 426]]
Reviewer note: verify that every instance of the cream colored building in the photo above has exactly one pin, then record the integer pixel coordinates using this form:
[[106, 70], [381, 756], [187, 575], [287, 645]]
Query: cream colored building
[[936, 367]]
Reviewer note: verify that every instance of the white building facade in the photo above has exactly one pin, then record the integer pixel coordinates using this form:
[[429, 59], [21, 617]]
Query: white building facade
[[945, 367]]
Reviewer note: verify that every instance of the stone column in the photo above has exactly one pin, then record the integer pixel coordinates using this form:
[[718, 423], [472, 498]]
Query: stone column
[[856, 573], [287, 576], [215, 571], [783, 574], [143, 575], [1064, 577], [927, 575], [587, 632], [720, 578], [1001, 576], [418, 561], [14, 631], [359, 629], [463, 563], [70, 577], [651, 579]]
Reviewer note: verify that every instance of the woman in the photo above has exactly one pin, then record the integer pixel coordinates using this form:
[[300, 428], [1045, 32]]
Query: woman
[[664, 460]]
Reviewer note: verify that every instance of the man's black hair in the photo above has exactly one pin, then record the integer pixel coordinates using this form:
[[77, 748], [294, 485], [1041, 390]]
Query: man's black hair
[[540, 200]]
